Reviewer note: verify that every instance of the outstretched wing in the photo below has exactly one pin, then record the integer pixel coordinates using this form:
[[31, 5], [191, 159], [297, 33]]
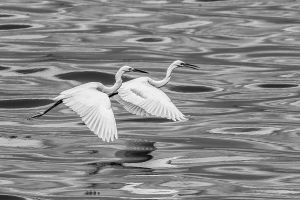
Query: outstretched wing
[[139, 97], [94, 108], [134, 109]]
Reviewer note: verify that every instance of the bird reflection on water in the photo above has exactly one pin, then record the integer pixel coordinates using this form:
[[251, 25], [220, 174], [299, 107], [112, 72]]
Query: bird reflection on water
[[136, 151]]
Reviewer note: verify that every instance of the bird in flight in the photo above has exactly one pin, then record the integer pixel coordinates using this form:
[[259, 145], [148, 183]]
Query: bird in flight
[[91, 102], [142, 96]]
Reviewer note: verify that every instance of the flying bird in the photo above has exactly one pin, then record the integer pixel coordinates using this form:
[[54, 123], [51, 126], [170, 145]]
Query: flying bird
[[142, 96], [91, 102]]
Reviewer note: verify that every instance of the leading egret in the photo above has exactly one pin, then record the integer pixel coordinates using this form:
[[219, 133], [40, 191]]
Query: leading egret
[[142, 96], [91, 102]]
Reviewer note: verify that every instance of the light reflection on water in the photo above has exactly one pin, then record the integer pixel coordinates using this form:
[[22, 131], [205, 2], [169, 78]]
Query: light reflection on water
[[242, 137]]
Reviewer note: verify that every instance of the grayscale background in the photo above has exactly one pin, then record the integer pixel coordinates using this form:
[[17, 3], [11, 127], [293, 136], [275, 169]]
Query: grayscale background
[[242, 140]]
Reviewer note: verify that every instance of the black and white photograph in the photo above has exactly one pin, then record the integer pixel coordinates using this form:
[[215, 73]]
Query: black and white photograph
[[150, 99]]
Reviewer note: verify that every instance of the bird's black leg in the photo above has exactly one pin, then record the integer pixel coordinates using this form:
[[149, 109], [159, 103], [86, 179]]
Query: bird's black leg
[[50, 108], [113, 94]]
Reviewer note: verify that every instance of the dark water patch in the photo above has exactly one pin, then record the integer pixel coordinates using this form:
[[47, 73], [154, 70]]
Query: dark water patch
[[23, 103], [29, 9], [3, 68], [90, 76], [108, 28], [277, 85], [15, 136], [147, 120], [282, 20], [136, 151], [128, 156], [191, 88], [149, 39], [10, 197], [5, 15], [13, 26], [30, 71], [209, 0], [219, 143], [60, 4]]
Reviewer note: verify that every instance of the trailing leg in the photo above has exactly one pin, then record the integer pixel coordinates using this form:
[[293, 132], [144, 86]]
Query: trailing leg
[[46, 111], [113, 94]]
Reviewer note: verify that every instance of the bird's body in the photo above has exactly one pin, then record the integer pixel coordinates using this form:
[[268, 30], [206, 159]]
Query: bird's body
[[91, 102], [142, 96]]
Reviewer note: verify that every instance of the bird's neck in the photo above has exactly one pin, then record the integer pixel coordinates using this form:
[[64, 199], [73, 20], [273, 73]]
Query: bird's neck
[[116, 86], [165, 80]]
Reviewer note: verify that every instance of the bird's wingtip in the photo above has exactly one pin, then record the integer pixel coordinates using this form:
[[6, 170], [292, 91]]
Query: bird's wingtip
[[186, 117]]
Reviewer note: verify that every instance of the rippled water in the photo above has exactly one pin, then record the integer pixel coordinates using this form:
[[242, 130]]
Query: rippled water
[[242, 139]]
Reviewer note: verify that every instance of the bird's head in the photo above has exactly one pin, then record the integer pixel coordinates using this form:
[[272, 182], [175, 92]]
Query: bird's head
[[179, 63], [131, 69]]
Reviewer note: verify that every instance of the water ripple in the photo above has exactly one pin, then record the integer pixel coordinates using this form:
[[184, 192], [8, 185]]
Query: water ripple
[[245, 130], [272, 85], [11, 197], [89, 76], [3, 68], [20, 143], [185, 25], [30, 71], [191, 88], [13, 26], [242, 137], [149, 40]]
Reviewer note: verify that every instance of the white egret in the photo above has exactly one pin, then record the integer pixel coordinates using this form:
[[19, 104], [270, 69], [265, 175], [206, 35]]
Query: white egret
[[142, 96], [91, 102]]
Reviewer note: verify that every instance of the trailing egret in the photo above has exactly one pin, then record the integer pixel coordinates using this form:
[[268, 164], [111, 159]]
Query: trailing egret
[[91, 102], [142, 96]]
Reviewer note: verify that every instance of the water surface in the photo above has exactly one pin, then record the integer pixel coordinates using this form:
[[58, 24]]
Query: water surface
[[242, 137]]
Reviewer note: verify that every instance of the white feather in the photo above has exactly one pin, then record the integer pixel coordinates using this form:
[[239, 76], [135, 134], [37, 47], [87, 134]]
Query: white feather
[[134, 109], [141, 98], [94, 108]]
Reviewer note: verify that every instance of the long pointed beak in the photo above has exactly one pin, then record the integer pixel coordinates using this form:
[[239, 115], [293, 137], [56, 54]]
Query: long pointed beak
[[138, 70], [191, 66]]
